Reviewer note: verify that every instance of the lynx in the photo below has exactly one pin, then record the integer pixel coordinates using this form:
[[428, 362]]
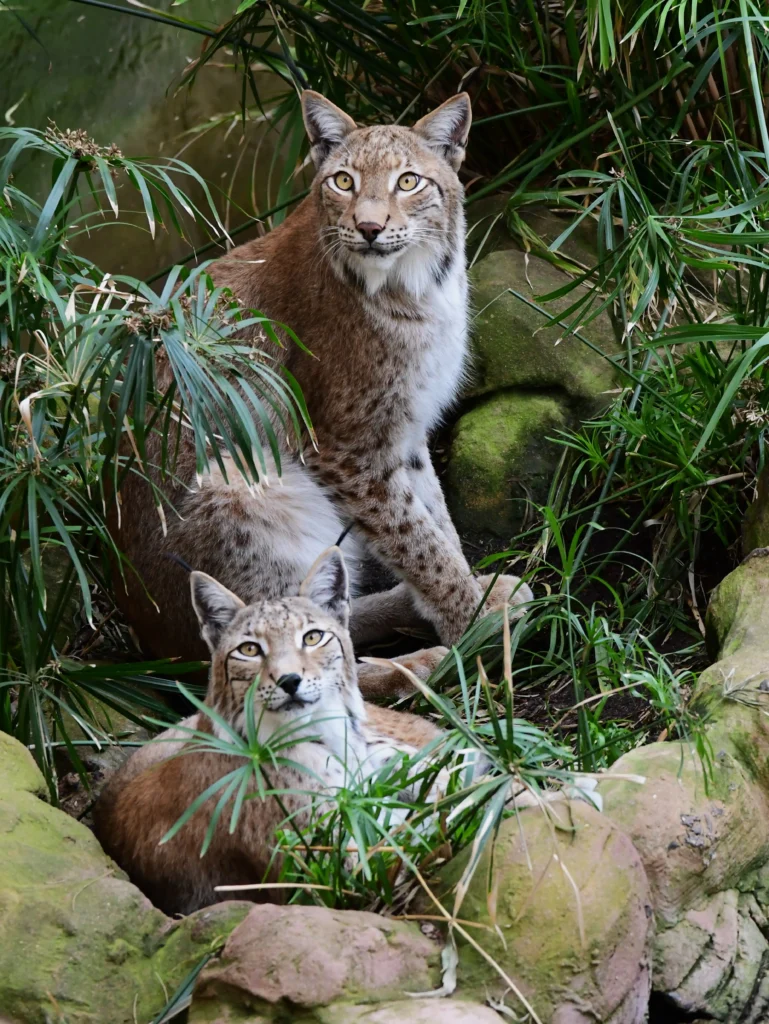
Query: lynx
[[369, 271], [299, 651]]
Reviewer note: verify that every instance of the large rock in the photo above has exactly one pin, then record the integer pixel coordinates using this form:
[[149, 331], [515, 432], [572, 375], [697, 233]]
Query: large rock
[[755, 529], [307, 957], [513, 346], [79, 942], [704, 838], [529, 381], [553, 881], [488, 230], [501, 459], [696, 836], [412, 1011]]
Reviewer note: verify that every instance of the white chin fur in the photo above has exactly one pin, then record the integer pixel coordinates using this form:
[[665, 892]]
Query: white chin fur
[[413, 270]]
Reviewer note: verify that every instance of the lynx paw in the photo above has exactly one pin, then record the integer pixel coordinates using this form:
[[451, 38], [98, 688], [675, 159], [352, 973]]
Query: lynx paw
[[423, 663], [508, 590], [388, 681]]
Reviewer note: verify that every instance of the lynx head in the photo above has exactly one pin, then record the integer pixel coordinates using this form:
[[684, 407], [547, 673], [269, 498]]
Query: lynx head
[[389, 197], [299, 648]]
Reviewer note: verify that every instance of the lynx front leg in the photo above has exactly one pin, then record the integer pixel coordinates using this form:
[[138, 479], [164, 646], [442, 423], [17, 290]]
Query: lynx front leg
[[405, 535], [427, 487]]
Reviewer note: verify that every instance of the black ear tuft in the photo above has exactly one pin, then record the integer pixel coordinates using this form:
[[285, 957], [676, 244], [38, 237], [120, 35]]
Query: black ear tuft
[[327, 585], [327, 126], [215, 607], [446, 128]]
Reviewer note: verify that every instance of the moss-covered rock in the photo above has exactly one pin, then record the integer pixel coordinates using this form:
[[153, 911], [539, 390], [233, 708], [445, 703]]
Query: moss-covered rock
[[704, 840], [700, 843], [548, 224], [80, 943], [501, 458], [573, 908], [488, 231], [695, 837], [296, 959], [736, 616], [513, 346]]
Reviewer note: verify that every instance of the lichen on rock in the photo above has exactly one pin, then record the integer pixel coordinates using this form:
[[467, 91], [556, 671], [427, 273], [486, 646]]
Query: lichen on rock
[[574, 911], [79, 941], [501, 459]]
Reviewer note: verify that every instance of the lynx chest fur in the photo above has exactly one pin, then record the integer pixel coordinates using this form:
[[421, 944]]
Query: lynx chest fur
[[370, 273]]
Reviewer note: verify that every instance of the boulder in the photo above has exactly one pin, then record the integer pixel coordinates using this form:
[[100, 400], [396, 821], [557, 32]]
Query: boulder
[[80, 943], [704, 836], [412, 1011], [528, 381], [501, 458], [488, 230], [548, 223], [696, 836], [283, 957], [712, 961], [755, 529], [513, 346], [401, 1011], [573, 918]]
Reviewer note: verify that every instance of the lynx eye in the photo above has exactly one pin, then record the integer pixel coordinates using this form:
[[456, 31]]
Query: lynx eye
[[313, 637], [343, 181], [250, 650], [408, 182]]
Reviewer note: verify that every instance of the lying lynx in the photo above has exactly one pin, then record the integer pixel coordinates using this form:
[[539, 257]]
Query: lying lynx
[[300, 650], [369, 271]]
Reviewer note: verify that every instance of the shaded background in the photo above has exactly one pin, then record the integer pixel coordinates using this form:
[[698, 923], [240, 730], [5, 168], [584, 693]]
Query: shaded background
[[120, 78]]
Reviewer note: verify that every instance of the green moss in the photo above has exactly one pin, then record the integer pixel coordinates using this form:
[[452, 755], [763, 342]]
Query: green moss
[[513, 347], [738, 609], [539, 916], [500, 459], [755, 530], [77, 936], [20, 772]]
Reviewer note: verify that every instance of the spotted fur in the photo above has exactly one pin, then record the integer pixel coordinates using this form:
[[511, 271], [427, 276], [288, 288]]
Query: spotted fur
[[384, 315], [299, 652]]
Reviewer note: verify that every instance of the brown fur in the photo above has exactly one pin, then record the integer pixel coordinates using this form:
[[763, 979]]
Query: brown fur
[[151, 792], [375, 384]]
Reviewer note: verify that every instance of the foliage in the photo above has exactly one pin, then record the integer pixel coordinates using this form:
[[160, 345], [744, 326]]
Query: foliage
[[548, 84], [79, 399], [360, 835], [646, 122]]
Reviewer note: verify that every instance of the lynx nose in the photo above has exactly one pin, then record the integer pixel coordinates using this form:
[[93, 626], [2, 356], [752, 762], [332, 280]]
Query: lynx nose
[[290, 683], [370, 230]]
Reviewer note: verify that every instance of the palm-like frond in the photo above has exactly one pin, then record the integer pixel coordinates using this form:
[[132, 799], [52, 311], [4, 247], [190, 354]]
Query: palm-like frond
[[80, 354]]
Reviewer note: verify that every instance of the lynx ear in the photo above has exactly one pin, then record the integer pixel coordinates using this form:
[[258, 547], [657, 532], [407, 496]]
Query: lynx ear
[[215, 607], [446, 129], [327, 585], [327, 126]]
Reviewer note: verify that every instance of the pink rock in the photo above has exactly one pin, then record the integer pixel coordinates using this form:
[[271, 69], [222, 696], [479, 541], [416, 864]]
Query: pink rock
[[311, 956]]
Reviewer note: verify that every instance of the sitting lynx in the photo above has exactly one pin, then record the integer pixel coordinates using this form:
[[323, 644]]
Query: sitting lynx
[[300, 650], [369, 271]]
